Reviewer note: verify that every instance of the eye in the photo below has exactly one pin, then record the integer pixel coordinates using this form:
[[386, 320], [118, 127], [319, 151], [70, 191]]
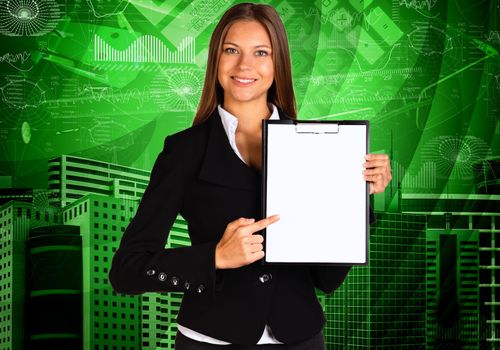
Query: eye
[[230, 50], [262, 53]]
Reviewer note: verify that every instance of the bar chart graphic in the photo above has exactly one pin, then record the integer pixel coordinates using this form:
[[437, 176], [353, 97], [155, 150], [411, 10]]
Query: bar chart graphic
[[145, 49], [424, 179]]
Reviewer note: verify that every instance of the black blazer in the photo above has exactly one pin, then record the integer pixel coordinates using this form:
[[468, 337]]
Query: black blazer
[[199, 176]]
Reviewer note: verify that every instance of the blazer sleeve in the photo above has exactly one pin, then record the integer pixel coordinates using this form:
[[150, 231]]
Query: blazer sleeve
[[142, 263], [329, 278]]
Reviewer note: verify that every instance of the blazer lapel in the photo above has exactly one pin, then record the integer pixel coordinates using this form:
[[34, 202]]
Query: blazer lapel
[[221, 165]]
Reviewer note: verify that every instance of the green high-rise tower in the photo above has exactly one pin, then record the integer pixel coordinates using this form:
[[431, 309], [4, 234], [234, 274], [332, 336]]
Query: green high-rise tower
[[16, 220], [108, 318], [452, 306], [382, 305]]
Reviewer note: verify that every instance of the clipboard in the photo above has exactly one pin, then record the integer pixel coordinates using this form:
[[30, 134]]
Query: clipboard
[[312, 177]]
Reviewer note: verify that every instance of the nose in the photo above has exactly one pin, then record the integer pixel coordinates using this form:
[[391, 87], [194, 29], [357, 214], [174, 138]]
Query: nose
[[246, 61]]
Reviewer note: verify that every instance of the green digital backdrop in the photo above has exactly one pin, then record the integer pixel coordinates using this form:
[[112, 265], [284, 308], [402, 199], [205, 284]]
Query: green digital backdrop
[[90, 88]]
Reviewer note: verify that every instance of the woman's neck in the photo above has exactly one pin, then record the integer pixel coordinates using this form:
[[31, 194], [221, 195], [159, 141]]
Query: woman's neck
[[249, 115]]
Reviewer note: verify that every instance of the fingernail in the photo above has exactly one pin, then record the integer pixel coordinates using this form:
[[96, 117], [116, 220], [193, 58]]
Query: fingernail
[[250, 220]]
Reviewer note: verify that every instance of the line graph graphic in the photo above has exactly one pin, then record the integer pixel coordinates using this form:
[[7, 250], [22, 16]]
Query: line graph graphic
[[418, 4], [147, 49], [17, 60], [15, 57]]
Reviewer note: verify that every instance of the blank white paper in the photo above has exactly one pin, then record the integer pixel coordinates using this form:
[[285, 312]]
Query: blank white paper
[[315, 183]]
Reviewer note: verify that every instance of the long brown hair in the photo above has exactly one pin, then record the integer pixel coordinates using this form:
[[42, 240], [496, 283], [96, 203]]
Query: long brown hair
[[281, 91]]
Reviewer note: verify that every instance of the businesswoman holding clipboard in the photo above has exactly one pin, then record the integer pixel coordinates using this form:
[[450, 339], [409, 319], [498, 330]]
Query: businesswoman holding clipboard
[[210, 174]]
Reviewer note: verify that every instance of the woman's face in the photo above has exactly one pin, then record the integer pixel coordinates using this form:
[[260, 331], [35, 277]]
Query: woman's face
[[246, 69]]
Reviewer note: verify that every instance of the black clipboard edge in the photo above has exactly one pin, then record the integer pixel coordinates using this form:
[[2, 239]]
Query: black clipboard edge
[[265, 124]]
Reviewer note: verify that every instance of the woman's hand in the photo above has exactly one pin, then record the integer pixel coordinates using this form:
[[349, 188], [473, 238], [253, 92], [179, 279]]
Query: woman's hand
[[238, 245], [378, 172]]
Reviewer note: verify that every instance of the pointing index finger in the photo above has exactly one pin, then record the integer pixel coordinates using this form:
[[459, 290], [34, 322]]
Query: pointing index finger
[[261, 224]]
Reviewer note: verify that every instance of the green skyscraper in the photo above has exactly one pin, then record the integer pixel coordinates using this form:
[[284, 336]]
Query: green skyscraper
[[381, 305], [108, 318], [16, 220], [470, 212], [73, 177], [146, 321], [452, 307]]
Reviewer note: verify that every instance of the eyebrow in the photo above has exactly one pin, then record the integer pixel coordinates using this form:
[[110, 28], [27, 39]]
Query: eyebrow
[[257, 46]]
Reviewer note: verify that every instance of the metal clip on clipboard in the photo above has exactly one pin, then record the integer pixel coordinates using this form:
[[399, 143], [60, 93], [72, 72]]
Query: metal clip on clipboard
[[315, 128]]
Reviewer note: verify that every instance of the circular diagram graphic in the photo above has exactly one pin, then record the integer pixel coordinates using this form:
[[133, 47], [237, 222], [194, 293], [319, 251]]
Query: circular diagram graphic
[[177, 90], [454, 156], [28, 17]]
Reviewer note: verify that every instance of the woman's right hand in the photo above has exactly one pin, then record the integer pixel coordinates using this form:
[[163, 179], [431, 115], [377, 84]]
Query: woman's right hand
[[238, 245]]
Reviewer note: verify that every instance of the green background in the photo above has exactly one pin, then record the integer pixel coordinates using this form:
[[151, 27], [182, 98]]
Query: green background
[[91, 79], [425, 73]]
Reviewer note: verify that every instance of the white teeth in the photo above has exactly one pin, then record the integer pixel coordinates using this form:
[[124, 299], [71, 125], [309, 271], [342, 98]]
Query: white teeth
[[244, 80]]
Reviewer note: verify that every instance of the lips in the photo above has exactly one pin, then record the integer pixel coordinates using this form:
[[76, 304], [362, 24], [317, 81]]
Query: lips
[[243, 80]]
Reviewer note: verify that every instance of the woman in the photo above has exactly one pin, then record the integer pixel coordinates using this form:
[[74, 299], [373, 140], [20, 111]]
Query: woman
[[210, 174]]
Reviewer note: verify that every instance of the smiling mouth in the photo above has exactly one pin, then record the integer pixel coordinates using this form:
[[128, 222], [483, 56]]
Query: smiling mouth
[[244, 80]]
